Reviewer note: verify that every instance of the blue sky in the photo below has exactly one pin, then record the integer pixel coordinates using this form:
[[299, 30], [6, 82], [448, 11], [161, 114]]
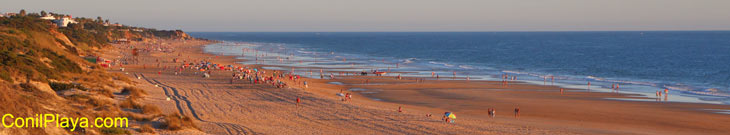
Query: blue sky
[[397, 15]]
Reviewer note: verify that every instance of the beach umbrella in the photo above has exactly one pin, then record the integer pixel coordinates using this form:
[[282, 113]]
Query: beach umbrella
[[450, 115]]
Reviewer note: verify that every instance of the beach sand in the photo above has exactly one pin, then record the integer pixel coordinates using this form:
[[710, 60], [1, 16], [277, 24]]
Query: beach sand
[[219, 107]]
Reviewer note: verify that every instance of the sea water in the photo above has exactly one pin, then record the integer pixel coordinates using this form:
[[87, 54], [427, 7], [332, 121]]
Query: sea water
[[693, 65]]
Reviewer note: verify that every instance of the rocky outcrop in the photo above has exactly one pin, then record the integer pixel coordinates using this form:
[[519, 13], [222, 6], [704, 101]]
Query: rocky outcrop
[[172, 34]]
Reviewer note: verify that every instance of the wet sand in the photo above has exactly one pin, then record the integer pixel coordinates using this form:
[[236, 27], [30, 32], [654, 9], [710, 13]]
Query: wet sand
[[220, 107]]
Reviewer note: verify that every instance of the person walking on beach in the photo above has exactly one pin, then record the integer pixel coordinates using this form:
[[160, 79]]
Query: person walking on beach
[[489, 112], [449, 117], [298, 101], [517, 112], [305, 84], [349, 97], [400, 109], [561, 91]]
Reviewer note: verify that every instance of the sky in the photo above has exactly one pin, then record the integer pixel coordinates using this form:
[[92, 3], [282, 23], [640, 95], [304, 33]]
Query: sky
[[395, 15]]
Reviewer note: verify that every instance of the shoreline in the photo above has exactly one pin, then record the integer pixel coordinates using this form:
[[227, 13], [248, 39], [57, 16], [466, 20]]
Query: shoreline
[[269, 60], [545, 111]]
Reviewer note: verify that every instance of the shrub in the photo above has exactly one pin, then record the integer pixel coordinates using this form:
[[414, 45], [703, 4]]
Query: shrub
[[61, 63], [106, 92], [97, 102], [28, 87], [58, 86], [146, 128], [68, 47], [175, 121], [121, 77], [133, 92], [138, 117], [150, 109], [114, 131], [130, 104], [5, 76]]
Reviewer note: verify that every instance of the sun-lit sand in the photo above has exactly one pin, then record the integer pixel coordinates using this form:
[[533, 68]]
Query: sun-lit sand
[[220, 107]]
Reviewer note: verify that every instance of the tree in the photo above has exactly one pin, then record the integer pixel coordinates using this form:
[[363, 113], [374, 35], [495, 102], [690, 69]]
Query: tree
[[99, 20], [22, 12], [43, 13]]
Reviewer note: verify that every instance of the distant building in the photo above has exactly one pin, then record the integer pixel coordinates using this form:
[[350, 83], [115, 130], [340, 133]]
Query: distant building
[[115, 24], [48, 17], [64, 21], [138, 30], [121, 40], [10, 14]]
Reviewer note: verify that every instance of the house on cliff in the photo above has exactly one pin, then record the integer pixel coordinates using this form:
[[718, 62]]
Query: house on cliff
[[48, 17], [64, 21]]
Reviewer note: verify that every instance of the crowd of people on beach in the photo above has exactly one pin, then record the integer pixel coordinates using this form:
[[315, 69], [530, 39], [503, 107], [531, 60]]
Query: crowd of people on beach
[[242, 73], [253, 75]]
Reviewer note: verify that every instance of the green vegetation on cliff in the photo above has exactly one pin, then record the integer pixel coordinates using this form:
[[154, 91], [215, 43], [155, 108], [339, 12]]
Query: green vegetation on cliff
[[40, 61]]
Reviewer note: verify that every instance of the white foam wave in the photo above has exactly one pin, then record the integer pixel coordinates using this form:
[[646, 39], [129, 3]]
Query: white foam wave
[[466, 67], [304, 52], [595, 78], [441, 63], [409, 60]]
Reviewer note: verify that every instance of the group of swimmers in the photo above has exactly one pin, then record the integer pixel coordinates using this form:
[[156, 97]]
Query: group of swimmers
[[506, 79], [659, 94]]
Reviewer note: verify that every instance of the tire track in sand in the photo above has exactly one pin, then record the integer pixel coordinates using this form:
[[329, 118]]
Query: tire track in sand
[[229, 127]]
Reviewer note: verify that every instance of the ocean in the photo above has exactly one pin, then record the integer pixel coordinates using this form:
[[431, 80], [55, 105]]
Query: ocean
[[693, 65]]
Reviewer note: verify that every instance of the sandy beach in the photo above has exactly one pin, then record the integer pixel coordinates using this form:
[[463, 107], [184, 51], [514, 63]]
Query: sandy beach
[[221, 107]]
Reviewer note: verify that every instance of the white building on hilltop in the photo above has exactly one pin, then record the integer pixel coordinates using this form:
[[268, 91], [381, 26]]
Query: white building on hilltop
[[48, 17], [64, 21]]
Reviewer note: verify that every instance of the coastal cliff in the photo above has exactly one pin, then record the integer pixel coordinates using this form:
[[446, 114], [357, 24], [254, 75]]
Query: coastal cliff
[[47, 68]]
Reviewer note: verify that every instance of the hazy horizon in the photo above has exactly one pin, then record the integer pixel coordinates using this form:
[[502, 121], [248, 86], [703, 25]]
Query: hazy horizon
[[399, 16]]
